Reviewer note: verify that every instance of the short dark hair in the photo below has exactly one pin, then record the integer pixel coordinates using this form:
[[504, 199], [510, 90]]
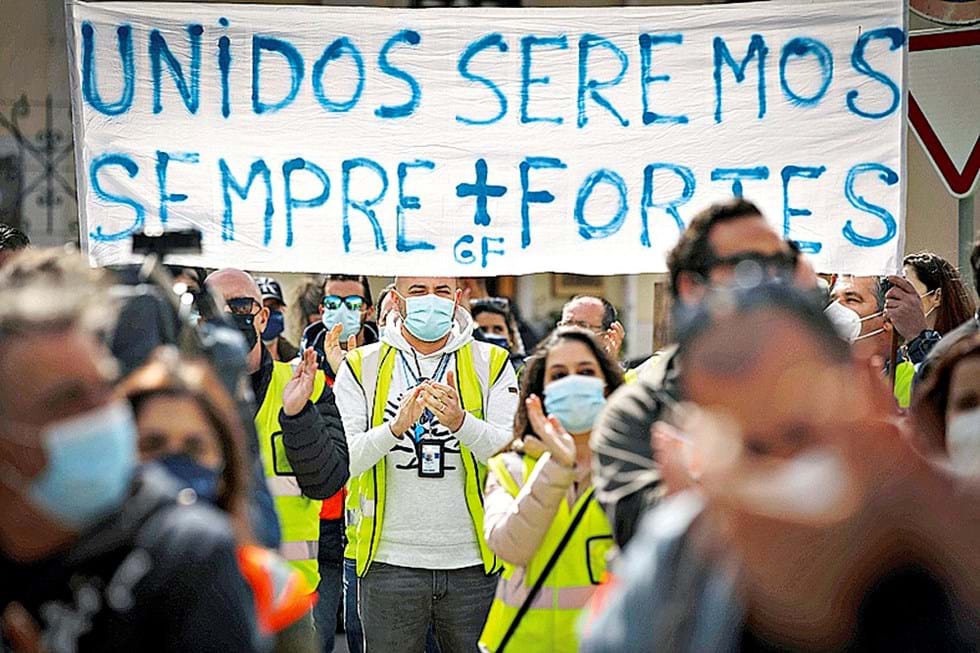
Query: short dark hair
[[12, 238], [693, 249], [363, 280], [532, 378]]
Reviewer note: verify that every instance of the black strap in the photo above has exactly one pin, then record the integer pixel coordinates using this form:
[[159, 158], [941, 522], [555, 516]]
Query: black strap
[[545, 573]]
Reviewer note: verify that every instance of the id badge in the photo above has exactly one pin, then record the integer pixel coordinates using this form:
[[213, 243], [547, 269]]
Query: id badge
[[432, 460]]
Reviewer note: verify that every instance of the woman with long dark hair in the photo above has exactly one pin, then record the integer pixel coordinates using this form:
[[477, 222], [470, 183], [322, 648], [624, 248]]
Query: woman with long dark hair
[[541, 518], [946, 301]]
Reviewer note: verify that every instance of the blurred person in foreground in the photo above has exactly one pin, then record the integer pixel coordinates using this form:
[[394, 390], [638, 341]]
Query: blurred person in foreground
[[189, 426], [541, 518], [272, 336], [805, 521], [301, 436], [496, 325], [96, 553], [727, 242], [946, 408], [965, 330], [12, 241]]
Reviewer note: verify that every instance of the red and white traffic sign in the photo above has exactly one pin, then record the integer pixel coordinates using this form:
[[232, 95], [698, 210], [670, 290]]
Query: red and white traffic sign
[[944, 103]]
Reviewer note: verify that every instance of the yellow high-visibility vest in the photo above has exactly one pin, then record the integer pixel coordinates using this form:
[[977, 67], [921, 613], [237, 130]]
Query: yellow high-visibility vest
[[904, 375], [373, 367], [550, 624], [299, 516]]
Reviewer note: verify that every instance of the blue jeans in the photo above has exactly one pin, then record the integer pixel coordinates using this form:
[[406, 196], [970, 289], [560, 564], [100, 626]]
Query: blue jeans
[[331, 587], [352, 621], [325, 612], [400, 607]]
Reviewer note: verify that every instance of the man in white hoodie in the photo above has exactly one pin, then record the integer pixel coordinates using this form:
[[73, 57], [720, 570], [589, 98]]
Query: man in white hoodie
[[424, 410]]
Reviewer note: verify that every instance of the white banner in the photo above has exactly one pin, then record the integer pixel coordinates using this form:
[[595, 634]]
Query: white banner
[[487, 142]]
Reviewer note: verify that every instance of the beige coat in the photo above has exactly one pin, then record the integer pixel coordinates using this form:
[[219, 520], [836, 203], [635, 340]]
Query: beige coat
[[515, 526]]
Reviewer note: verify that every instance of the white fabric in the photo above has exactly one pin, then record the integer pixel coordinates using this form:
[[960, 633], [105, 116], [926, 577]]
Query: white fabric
[[607, 130], [426, 522]]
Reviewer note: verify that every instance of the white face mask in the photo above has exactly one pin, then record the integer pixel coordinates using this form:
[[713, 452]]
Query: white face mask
[[848, 322], [963, 442]]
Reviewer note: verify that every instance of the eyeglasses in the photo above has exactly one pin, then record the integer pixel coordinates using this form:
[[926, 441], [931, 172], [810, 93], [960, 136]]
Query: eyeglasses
[[581, 325], [780, 262], [243, 306], [353, 302]]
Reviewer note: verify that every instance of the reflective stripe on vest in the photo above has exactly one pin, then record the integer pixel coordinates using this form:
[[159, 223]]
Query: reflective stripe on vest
[[280, 592], [368, 505], [551, 621], [299, 516]]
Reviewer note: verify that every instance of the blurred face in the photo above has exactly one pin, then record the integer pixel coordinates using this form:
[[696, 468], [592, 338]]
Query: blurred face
[[860, 295], [41, 386], [177, 425], [781, 401], [585, 314], [570, 357], [964, 388], [494, 325], [750, 236]]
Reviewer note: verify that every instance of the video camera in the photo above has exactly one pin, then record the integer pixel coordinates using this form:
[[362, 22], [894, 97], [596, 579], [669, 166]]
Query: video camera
[[156, 311]]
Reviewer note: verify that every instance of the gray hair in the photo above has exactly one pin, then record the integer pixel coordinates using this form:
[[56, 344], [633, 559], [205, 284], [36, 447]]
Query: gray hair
[[53, 290]]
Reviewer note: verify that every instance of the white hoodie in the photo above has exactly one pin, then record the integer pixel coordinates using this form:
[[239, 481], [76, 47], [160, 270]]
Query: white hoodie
[[426, 522]]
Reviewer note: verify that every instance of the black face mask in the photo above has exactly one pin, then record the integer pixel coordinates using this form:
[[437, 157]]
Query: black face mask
[[246, 325]]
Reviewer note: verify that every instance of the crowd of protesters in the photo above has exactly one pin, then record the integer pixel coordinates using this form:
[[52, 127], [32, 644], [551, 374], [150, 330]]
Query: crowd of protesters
[[799, 470]]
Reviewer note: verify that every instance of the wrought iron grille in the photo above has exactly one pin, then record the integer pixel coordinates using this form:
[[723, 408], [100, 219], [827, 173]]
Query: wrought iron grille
[[37, 189]]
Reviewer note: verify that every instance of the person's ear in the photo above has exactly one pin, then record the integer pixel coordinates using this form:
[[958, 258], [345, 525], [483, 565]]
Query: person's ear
[[262, 319], [368, 313]]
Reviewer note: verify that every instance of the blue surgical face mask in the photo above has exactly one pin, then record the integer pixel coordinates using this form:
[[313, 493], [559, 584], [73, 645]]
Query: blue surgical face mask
[[274, 327], [91, 460], [203, 480], [576, 401], [494, 339], [429, 317], [349, 318]]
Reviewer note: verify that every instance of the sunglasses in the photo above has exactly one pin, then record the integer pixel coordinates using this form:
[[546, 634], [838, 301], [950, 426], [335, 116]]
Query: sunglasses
[[353, 302], [243, 306], [780, 262]]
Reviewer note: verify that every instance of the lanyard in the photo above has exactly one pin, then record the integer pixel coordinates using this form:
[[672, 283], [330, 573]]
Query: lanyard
[[416, 380]]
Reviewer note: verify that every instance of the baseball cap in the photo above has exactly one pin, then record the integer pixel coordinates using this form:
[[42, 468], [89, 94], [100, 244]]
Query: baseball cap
[[270, 289]]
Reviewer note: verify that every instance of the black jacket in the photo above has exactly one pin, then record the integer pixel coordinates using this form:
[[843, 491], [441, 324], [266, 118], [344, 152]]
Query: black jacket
[[156, 577], [625, 488], [314, 439]]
